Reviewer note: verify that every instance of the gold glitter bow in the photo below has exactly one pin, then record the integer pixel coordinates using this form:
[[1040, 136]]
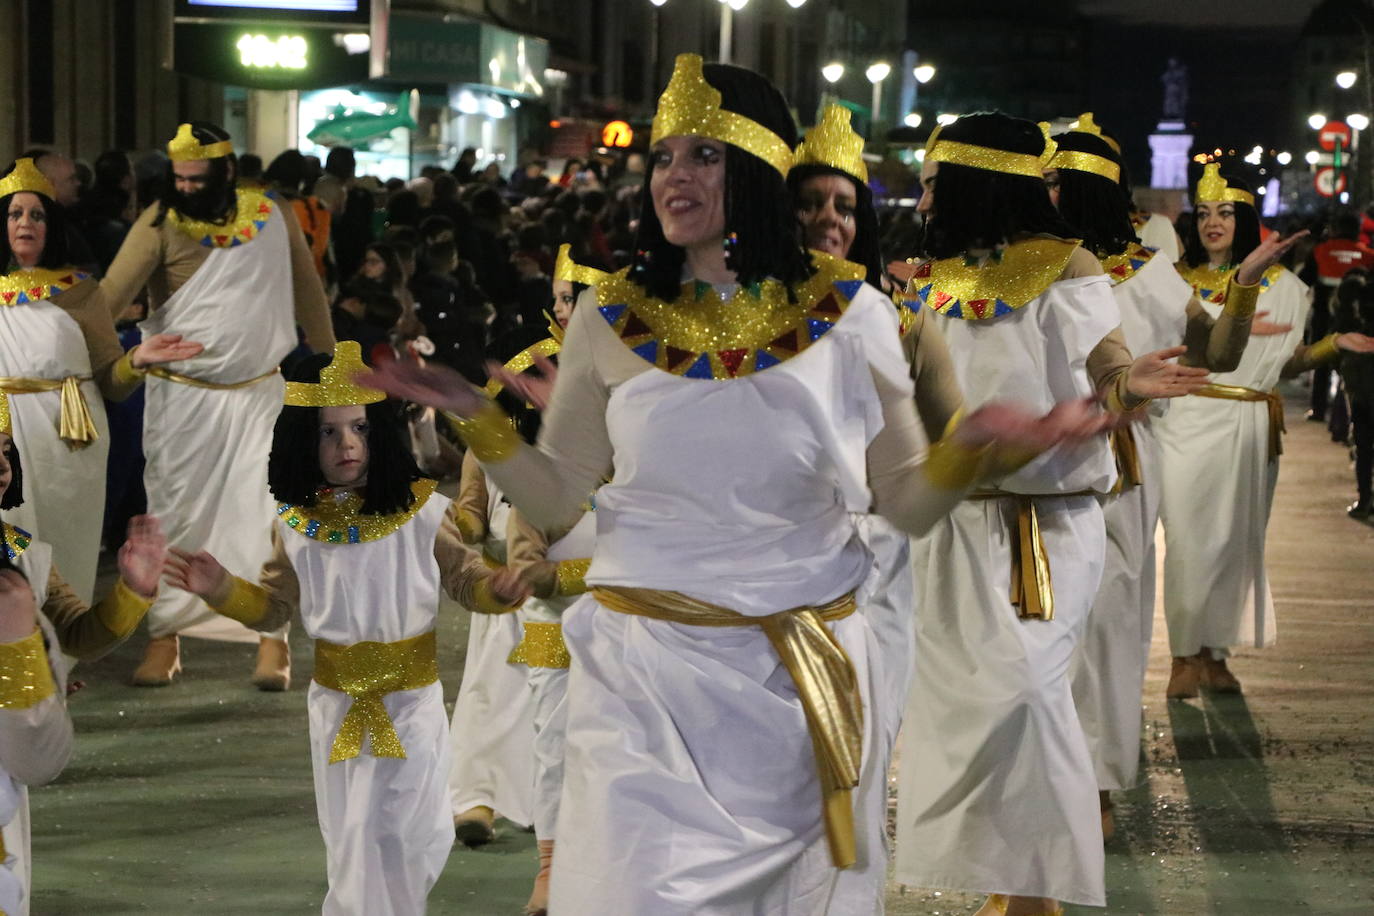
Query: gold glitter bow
[[368, 671], [1212, 188], [541, 647], [75, 425], [990, 158], [184, 147], [336, 387], [26, 177], [690, 106], [833, 143], [820, 669], [565, 268]]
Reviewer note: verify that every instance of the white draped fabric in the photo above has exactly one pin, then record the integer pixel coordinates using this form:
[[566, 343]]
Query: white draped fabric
[[1158, 232]]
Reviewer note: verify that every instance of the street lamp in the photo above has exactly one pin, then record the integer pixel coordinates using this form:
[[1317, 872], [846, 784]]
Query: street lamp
[[795, 4], [912, 120], [1357, 121], [876, 73], [658, 2], [924, 73], [944, 119], [832, 72], [1346, 78], [1316, 121], [1312, 157], [1284, 157]]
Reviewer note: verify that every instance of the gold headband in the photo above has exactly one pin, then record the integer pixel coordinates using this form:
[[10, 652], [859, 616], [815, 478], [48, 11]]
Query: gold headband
[[1087, 125], [6, 424], [26, 177], [986, 157], [1079, 161], [524, 360], [832, 142], [565, 268], [336, 387], [186, 148], [1211, 187], [691, 106]]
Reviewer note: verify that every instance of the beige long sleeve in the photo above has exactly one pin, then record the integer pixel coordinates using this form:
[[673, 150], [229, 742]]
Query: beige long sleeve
[[1323, 352], [270, 603], [938, 397], [114, 374], [469, 510], [88, 632], [465, 576]]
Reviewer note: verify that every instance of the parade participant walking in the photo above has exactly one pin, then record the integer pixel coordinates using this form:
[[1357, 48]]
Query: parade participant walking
[[996, 787], [227, 267], [1158, 310], [361, 547], [59, 355], [750, 396], [1216, 593]]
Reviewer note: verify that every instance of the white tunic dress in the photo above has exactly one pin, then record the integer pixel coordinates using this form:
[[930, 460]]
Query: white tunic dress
[[1109, 671], [1218, 490], [1158, 233], [64, 491], [206, 473], [493, 715], [996, 790], [385, 820]]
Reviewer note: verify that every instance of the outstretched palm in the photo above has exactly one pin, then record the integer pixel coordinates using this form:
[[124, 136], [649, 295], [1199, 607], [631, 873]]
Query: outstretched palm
[[142, 557], [1157, 375], [165, 348], [197, 573]]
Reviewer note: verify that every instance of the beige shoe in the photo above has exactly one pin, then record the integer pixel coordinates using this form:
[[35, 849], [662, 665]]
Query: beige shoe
[[273, 671], [538, 904], [475, 826], [161, 662], [1108, 815], [1216, 677], [1184, 678]]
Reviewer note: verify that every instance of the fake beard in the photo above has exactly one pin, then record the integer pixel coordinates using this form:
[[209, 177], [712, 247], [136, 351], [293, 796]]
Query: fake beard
[[211, 203]]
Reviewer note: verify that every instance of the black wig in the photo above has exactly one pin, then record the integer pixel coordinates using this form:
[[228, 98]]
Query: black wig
[[980, 208], [54, 254], [866, 249], [14, 493], [217, 200], [293, 465], [1246, 239], [1095, 206], [758, 208]]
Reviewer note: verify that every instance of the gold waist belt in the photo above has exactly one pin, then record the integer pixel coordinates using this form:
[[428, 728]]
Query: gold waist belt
[[1032, 589], [368, 671], [1127, 454], [541, 647], [164, 373], [1277, 426], [75, 426], [825, 679]]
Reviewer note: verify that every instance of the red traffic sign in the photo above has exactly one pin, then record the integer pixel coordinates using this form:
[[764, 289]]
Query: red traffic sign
[[1329, 182], [1334, 132]]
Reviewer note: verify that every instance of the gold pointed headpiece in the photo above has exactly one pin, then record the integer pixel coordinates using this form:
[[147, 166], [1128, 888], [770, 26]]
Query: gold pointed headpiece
[[565, 268], [336, 387], [691, 106], [1212, 188], [834, 143], [991, 158], [186, 148], [523, 360], [6, 424], [1079, 161], [1087, 125], [26, 177]]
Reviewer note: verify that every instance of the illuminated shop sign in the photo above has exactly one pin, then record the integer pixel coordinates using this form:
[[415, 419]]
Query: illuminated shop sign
[[285, 51]]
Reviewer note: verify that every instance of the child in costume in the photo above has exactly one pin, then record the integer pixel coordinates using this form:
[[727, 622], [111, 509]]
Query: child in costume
[[362, 546]]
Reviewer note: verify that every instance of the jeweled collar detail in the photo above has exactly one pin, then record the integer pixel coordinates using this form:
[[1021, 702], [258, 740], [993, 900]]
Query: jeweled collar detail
[[17, 540], [334, 518], [1121, 267], [699, 335], [1210, 284], [963, 287], [251, 213], [37, 284]]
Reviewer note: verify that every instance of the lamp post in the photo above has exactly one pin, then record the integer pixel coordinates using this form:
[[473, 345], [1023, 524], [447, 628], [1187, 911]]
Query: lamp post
[[876, 73]]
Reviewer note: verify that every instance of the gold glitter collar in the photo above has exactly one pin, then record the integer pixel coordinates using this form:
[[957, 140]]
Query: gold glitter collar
[[961, 287], [251, 212], [17, 540], [335, 520], [690, 106], [1121, 267], [336, 387], [26, 177], [834, 143], [990, 158], [1211, 285], [1212, 188], [701, 336], [37, 284]]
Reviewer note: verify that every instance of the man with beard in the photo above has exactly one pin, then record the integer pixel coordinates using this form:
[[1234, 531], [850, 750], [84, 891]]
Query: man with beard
[[227, 266]]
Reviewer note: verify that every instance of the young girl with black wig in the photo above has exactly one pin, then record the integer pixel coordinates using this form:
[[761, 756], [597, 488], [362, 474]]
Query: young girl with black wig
[[1216, 593], [996, 787], [361, 546], [744, 397]]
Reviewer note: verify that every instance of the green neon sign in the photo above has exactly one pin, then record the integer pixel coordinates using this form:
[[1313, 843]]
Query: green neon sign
[[278, 52]]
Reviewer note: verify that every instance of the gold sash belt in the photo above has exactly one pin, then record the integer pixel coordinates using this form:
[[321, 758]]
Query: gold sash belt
[[1277, 426], [820, 668], [368, 671], [1032, 588], [541, 647], [1127, 454], [164, 373], [75, 426]]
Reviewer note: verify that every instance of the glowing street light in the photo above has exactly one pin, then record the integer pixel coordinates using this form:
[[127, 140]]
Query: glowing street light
[[943, 119], [832, 72], [795, 4], [912, 120], [876, 73], [1316, 121], [658, 2], [1284, 157], [1346, 78], [1312, 157], [924, 73], [1357, 121]]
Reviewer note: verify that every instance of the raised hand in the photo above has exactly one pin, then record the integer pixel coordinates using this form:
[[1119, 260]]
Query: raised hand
[[1265, 255], [1012, 428], [432, 385], [164, 348], [508, 587], [1355, 343], [18, 611], [143, 555], [197, 573], [1156, 375], [533, 389], [1259, 327]]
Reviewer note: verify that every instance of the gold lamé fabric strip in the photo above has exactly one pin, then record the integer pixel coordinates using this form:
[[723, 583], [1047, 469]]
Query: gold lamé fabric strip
[[368, 671]]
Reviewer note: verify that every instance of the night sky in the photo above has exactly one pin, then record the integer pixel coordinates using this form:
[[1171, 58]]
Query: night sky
[[1244, 13]]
